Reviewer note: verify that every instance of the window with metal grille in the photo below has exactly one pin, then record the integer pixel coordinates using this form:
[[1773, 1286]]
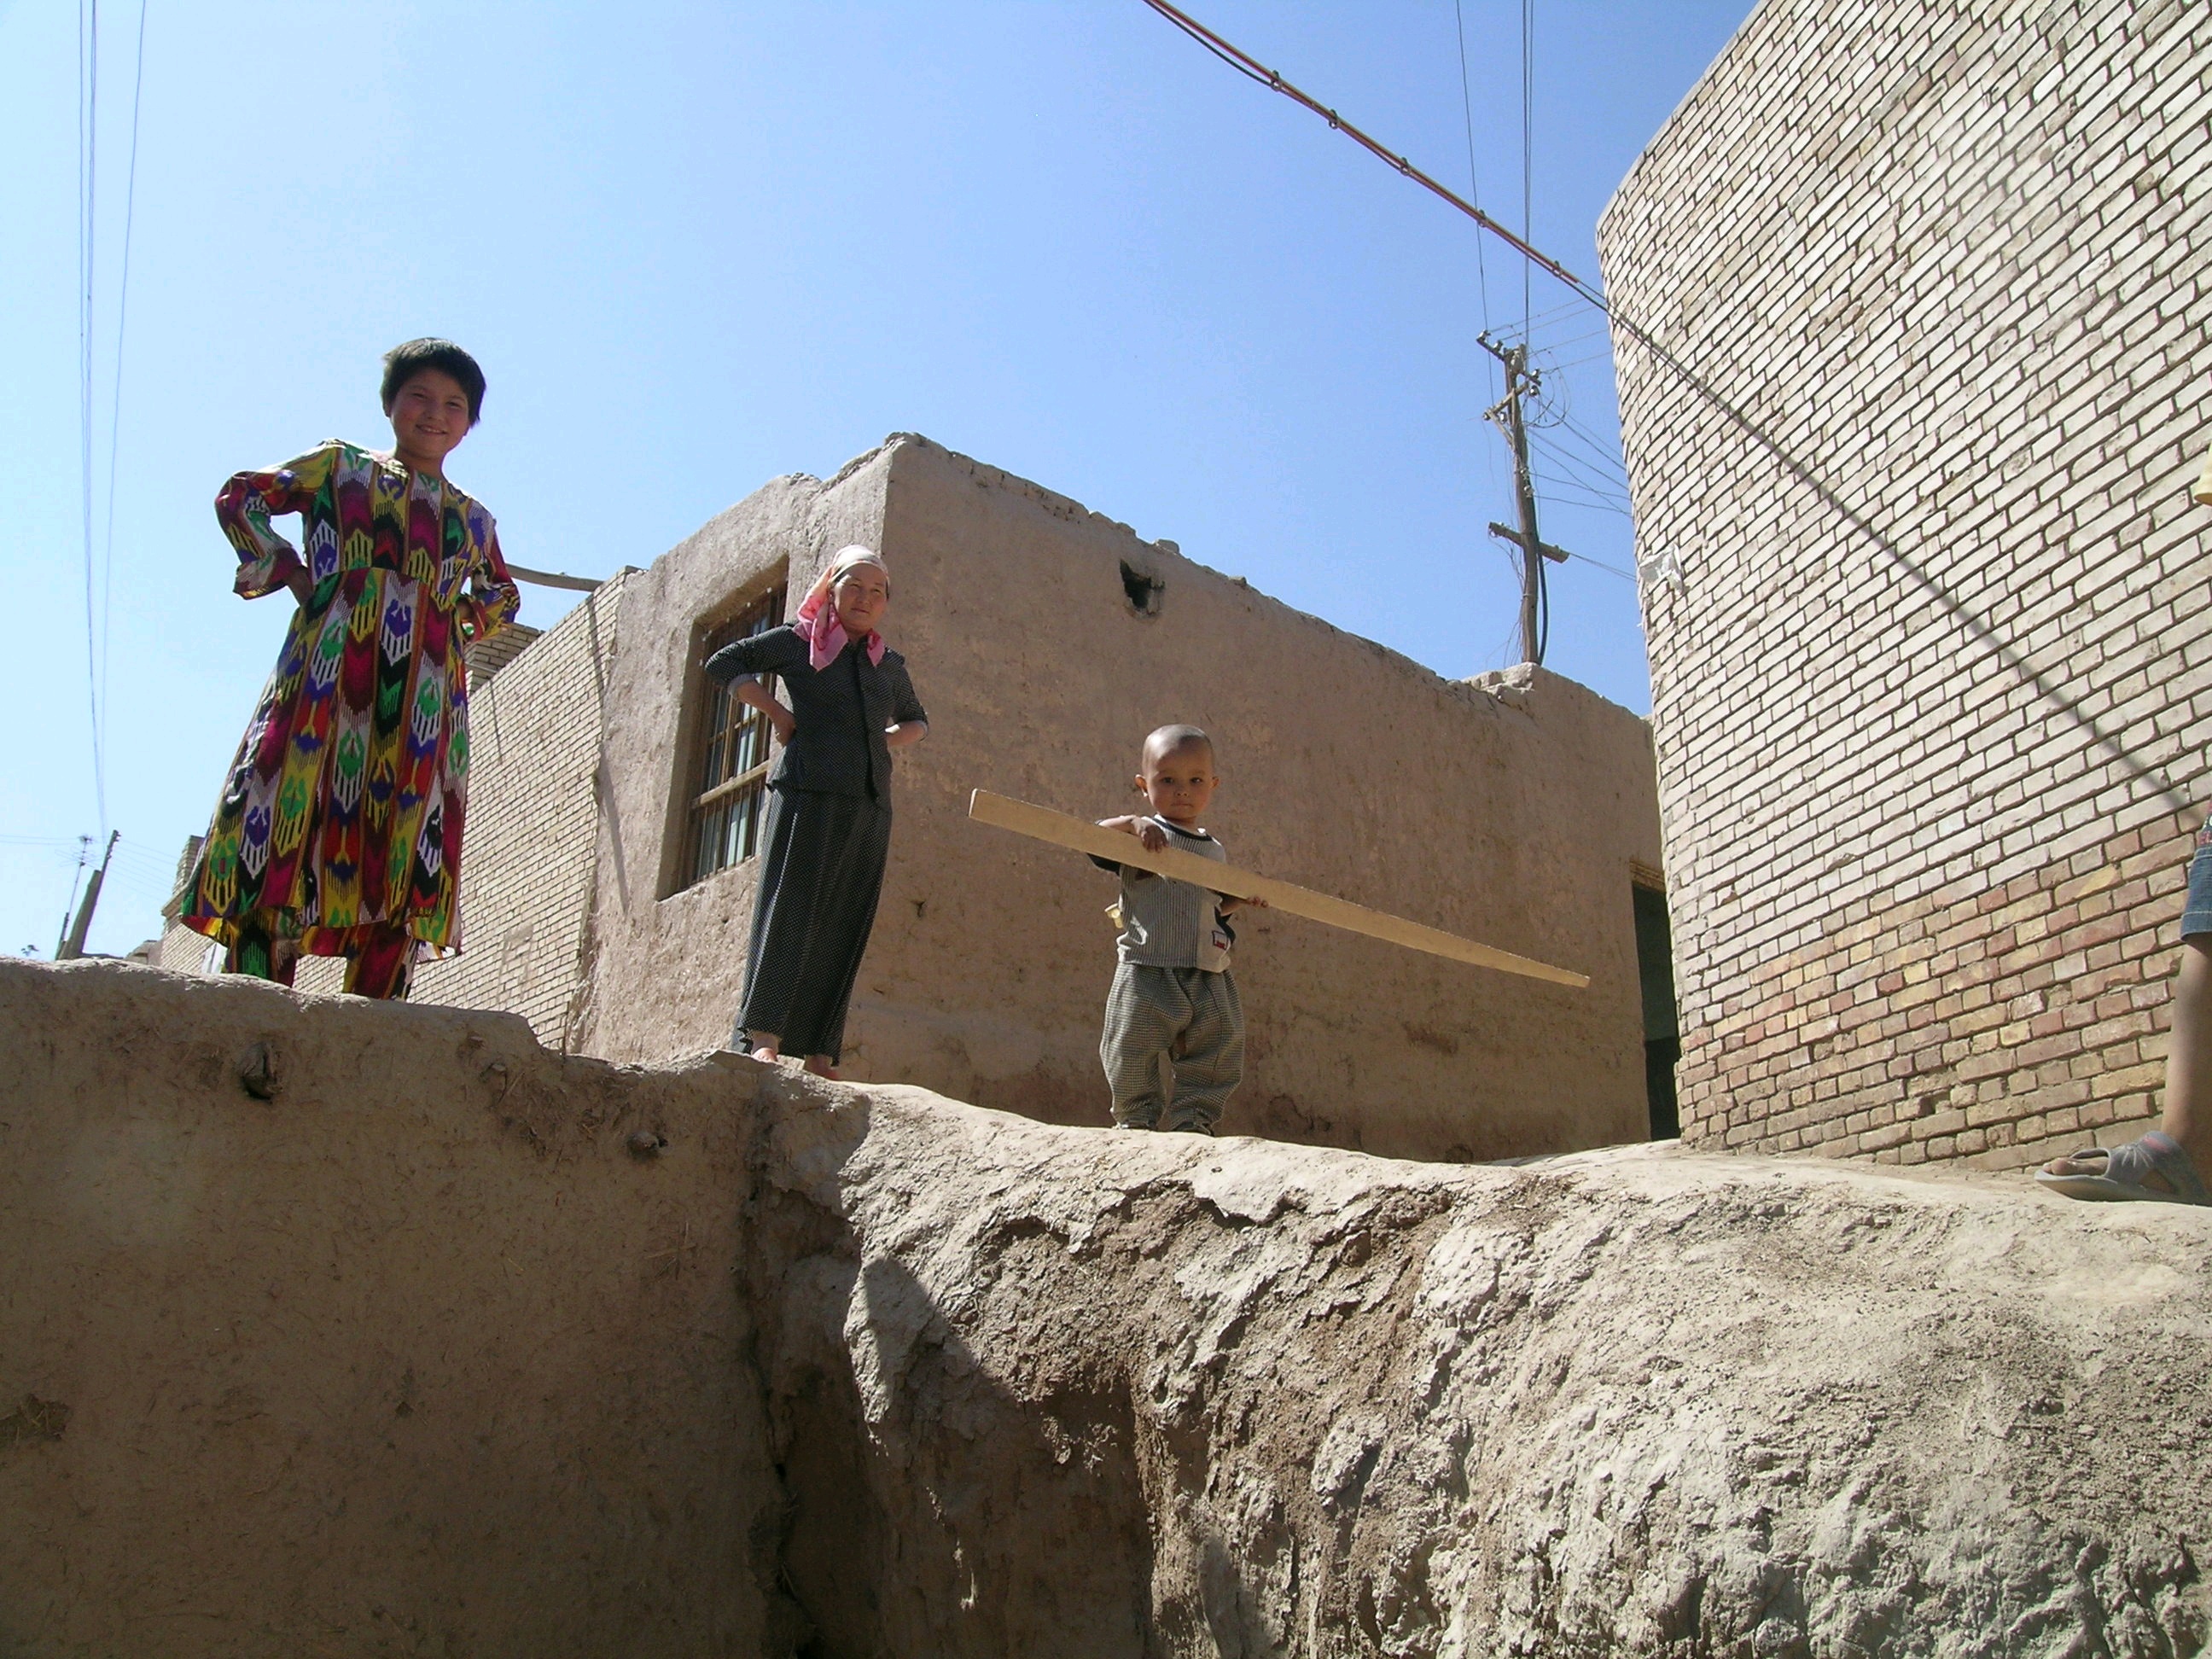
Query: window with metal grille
[[732, 769]]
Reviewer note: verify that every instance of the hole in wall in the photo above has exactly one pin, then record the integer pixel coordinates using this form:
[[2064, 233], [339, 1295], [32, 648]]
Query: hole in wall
[[1143, 590]]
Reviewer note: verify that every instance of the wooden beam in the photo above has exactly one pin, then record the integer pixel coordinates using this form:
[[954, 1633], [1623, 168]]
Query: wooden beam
[[1078, 835], [553, 578]]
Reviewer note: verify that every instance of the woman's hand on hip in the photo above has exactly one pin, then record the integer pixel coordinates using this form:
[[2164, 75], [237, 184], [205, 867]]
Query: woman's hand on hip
[[303, 587]]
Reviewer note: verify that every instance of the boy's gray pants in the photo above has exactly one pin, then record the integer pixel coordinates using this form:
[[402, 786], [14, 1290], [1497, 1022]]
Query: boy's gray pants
[[1194, 1020]]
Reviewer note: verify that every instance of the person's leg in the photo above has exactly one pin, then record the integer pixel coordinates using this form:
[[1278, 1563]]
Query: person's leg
[[858, 848], [2187, 1116], [1142, 1020], [2188, 1113], [1209, 1061], [778, 931], [381, 964]]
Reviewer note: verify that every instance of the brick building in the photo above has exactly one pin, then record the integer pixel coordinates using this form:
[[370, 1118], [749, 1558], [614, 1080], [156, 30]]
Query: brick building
[[608, 886], [1928, 614]]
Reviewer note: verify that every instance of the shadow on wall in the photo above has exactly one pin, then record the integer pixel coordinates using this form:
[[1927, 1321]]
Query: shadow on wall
[[931, 1511], [1023, 1467]]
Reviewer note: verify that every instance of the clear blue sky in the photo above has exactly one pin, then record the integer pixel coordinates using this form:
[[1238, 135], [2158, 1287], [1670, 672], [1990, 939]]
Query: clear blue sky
[[698, 246]]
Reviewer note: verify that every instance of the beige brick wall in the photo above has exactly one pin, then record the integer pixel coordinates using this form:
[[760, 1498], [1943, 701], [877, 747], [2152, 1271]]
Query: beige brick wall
[[528, 863], [1931, 694]]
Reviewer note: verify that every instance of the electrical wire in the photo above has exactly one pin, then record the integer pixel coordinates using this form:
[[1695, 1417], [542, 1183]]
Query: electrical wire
[[1527, 150], [1253, 70], [1587, 293], [1474, 185], [1583, 474], [1609, 569], [115, 402], [1596, 452], [1573, 494], [1554, 346], [1574, 362], [1584, 293], [88, 173]]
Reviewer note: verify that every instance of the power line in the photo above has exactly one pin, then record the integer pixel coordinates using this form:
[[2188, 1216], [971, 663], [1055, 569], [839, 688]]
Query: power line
[[88, 172], [1606, 455], [1586, 476], [1473, 183], [1253, 70], [1527, 148], [115, 403], [1609, 569], [1582, 480], [1577, 339], [1574, 362], [1587, 293], [1562, 493]]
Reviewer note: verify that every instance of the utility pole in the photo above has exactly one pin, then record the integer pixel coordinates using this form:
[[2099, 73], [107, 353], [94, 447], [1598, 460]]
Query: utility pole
[[73, 946], [1505, 414]]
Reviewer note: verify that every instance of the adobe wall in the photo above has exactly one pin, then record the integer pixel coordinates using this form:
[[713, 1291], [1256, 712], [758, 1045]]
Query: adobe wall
[[400, 1350], [1930, 692], [668, 960], [1511, 813], [410, 1355]]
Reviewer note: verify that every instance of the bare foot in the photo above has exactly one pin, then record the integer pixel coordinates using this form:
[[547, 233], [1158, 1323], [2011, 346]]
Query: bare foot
[[820, 1066], [767, 1051]]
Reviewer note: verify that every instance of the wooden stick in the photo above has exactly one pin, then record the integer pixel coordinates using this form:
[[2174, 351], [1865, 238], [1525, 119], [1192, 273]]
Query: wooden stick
[[1042, 823]]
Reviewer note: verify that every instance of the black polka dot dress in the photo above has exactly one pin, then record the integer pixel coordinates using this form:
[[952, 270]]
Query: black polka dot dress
[[827, 834]]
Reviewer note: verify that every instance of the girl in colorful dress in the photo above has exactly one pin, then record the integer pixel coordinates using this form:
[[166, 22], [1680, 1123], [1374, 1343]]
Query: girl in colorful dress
[[829, 829], [339, 832]]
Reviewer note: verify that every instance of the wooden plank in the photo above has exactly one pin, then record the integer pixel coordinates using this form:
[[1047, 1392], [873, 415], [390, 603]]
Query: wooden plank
[[553, 578], [1078, 835]]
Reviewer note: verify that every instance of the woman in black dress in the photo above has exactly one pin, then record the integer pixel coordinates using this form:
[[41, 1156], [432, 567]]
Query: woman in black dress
[[829, 826]]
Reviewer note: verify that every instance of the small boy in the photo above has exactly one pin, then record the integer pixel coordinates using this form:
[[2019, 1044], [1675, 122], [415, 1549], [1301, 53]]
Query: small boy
[[1173, 998]]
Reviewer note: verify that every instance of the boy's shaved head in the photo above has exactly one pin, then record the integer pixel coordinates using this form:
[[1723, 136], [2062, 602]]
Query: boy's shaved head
[[1173, 739]]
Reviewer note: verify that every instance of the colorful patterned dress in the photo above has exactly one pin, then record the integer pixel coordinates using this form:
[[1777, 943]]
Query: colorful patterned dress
[[340, 822]]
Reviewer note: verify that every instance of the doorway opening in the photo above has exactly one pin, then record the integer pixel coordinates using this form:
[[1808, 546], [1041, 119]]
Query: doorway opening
[[1663, 1031]]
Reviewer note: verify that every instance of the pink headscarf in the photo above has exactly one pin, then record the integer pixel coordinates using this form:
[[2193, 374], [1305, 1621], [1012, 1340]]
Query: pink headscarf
[[816, 622]]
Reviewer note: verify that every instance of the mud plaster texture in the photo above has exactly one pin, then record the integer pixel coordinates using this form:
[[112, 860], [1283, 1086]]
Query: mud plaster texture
[[414, 1356], [1515, 811], [330, 1327]]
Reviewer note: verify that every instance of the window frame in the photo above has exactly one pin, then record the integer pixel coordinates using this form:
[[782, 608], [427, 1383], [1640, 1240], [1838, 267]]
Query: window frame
[[724, 800]]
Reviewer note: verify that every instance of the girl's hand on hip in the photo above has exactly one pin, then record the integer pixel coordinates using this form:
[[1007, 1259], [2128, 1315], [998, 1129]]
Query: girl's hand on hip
[[303, 587], [782, 720]]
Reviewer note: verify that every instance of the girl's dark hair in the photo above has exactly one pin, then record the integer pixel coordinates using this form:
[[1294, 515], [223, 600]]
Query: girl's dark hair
[[404, 362]]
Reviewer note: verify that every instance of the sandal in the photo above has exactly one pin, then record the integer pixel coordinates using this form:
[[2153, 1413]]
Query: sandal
[[2125, 1167]]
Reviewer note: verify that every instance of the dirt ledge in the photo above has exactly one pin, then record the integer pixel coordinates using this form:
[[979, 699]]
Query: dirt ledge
[[338, 1329], [1120, 1394]]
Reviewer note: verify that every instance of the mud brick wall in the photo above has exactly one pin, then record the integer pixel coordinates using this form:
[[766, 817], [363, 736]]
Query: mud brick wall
[[991, 956], [1930, 643]]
